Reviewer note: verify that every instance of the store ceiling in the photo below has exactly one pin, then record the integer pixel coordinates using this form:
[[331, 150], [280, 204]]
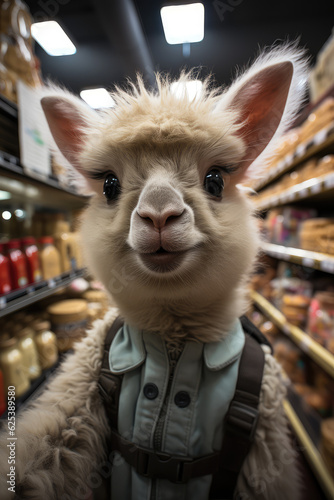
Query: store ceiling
[[115, 38]]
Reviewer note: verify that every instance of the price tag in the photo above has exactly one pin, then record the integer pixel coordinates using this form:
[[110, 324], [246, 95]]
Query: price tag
[[300, 150], [320, 136], [3, 302], [327, 266], [307, 262], [316, 188], [303, 193], [51, 283], [286, 330], [329, 181], [305, 343]]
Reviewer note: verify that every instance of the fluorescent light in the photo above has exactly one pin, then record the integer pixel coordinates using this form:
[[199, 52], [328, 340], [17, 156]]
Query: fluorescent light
[[52, 38], [20, 214], [183, 23], [5, 195], [6, 215], [97, 98], [192, 89]]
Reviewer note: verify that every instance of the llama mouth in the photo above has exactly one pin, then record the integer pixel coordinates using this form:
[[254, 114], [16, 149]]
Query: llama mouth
[[162, 261]]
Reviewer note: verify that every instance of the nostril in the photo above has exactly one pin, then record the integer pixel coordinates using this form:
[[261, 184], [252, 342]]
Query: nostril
[[160, 219]]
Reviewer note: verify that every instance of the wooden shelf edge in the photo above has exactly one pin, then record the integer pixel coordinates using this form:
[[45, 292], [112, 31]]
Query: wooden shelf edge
[[318, 353], [306, 189], [307, 258], [311, 453], [311, 148]]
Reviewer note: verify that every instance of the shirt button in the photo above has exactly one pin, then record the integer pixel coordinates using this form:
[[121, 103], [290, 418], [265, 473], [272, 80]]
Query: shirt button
[[151, 391], [182, 399]]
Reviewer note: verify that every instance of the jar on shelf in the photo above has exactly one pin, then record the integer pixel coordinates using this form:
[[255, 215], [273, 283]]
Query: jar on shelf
[[5, 281], [321, 319], [11, 365], [30, 250], [26, 345], [69, 321], [49, 258], [17, 264], [46, 343]]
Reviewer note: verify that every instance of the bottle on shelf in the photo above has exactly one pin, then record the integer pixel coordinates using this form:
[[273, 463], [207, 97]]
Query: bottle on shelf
[[26, 345], [5, 281], [11, 364], [30, 250], [50, 258], [46, 343], [17, 264]]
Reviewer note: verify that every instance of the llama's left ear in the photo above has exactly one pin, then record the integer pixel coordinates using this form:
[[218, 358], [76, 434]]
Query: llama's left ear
[[265, 99]]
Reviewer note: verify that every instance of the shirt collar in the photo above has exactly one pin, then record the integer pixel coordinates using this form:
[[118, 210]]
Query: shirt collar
[[128, 349]]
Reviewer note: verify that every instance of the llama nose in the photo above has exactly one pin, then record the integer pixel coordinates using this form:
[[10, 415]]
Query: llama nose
[[160, 218]]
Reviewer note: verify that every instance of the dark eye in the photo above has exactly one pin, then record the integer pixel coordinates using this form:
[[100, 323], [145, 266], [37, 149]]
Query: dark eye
[[111, 187], [214, 183]]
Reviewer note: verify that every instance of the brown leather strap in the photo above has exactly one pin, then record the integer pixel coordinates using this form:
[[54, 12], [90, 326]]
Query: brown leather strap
[[240, 421], [148, 463], [109, 384]]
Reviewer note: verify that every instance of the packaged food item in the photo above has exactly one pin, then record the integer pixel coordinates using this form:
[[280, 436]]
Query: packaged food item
[[321, 319], [5, 281], [66, 244], [18, 265], [97, 299], [46, 343], [69, 319], [49, 258], [32, 255], [11, 365], [26, 345]]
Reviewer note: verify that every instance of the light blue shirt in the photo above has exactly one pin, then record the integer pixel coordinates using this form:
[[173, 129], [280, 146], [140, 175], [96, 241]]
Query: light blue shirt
[[206, 372]]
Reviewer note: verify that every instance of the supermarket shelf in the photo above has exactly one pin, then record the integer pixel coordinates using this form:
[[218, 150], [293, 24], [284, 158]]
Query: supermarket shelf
[[18, 299], [307, 189], [12, 165], [314, 350], [8, 107], [310, 451], [323, 141], [315, 260]]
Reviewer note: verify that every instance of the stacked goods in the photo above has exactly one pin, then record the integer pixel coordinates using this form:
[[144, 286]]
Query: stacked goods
[[282, 225], [322, 75], [321, 118], [317, 235], [321, 319], [314, 168], [17, 59], [295, 308]]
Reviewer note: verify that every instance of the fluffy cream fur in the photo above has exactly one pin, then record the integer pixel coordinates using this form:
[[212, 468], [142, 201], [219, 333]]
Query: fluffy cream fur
[[158, 142]]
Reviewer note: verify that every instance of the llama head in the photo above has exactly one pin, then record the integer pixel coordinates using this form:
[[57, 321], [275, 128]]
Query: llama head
[[168, 230]]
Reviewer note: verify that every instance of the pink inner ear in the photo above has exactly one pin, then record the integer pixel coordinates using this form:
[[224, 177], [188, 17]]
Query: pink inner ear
[[66, 124], [262, 101]]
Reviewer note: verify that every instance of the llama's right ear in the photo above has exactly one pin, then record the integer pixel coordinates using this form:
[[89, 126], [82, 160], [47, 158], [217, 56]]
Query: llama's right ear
[[69, 122]]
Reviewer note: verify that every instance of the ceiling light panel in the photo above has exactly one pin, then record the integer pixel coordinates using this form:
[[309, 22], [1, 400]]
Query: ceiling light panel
[[183, 23], [97, 98], [52, 38]]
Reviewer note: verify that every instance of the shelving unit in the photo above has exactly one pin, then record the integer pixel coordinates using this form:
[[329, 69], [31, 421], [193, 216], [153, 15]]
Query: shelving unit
[[323, 141], [18, 299], [318, 353], [310, 451], [314, 260]]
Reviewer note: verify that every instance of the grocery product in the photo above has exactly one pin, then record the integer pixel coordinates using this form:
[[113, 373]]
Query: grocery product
[[32, 255], [321, 319], [5, 281], [50, 258], [46, 343], [66, 244], [18, 265], [26, 345], [69, 319], [11, 364]]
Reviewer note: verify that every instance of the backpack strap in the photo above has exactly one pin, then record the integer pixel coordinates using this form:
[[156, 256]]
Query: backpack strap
[[240, 421], [109, 385]]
